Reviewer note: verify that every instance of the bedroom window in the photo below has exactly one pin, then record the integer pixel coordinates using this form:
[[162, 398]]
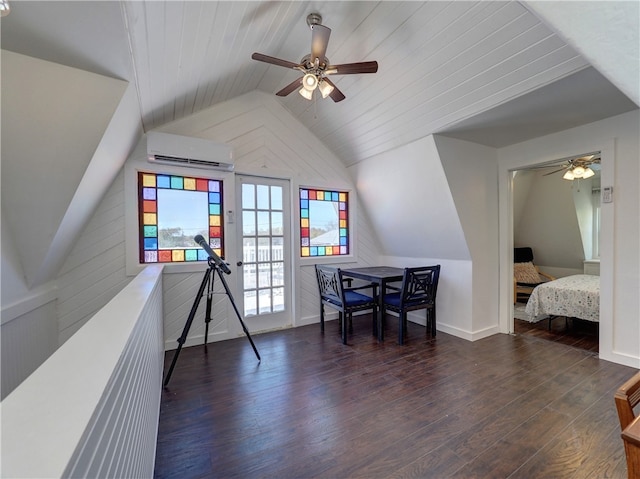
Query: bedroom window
[[324, 222], [172, 209]]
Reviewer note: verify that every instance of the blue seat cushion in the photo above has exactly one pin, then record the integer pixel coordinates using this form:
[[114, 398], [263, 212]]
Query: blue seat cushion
[[392, 299], [355, 299]]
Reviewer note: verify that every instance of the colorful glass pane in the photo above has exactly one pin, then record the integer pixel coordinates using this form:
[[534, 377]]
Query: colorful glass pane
[[149, 193], [189, 183], [149, 206], [149, 218], [163, 181], [149, 180], [150, 231], [164, 256], [151, 256], [151, 214]]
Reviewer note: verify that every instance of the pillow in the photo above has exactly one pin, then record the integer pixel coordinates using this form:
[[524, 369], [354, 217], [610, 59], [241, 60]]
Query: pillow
[[526, 273]]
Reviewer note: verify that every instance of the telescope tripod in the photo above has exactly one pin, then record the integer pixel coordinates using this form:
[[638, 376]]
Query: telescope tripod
[[207, 280]]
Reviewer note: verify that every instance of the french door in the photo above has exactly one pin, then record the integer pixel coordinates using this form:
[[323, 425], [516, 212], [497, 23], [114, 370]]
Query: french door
[[265, 270]]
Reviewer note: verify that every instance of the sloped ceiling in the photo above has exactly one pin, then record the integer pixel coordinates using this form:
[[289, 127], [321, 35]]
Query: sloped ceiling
[[440, 62], [42, 104], [607, 34]]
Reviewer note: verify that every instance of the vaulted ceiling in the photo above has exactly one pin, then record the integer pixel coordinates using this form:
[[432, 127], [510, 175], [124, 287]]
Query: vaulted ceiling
[[440, 63]]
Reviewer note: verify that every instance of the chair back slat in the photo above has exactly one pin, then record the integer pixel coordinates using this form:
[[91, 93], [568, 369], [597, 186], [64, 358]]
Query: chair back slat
[[329, 284], [419, 285]]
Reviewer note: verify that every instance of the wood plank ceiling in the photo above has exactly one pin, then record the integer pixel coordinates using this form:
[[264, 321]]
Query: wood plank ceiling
[[439, 62]]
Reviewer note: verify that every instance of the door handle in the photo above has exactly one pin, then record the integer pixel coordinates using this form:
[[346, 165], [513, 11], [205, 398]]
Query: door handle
[[239, 263]]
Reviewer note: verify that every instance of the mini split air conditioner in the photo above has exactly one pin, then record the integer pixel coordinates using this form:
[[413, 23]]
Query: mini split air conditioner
[[179, 150]]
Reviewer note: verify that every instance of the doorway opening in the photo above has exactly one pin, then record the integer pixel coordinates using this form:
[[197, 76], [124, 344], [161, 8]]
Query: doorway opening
[[558, 217]]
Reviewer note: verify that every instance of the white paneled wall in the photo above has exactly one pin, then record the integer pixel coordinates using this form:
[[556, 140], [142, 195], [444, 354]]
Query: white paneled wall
[[91, 409], [267, 141], [27, 340], [94, 271], [265, 138]]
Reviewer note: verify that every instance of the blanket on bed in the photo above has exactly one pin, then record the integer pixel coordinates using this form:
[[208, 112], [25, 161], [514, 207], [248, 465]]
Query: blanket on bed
[[576, 296]]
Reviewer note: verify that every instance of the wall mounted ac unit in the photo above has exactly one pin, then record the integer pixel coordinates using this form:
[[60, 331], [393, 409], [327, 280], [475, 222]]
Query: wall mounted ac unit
[[179, 150]]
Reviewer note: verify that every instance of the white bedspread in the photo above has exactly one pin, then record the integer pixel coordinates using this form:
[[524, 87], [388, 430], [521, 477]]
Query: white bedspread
[[576, 296]]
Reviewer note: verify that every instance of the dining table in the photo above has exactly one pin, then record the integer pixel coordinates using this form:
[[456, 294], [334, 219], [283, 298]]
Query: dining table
[[382, 276]]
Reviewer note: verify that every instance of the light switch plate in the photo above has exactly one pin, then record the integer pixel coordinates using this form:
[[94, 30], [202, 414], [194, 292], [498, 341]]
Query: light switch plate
[[607, 194]]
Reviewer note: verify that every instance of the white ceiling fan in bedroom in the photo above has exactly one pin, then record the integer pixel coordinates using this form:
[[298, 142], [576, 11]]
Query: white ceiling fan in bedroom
[[578, 167]]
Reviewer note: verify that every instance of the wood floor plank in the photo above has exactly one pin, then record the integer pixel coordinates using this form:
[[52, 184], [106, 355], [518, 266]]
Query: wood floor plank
[[505, 406]]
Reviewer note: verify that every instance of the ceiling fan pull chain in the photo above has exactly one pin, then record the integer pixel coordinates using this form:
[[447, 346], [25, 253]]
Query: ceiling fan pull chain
[[315, 106]]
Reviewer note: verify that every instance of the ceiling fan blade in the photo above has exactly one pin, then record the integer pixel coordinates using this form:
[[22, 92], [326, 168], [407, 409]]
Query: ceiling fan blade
[[319, 41], [556, 171], [274, 61], [352, 68], [336, 95], [290, 87]]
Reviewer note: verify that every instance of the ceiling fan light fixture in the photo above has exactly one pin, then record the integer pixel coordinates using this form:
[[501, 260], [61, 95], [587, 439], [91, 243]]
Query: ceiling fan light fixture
[[568, 175], [309, 82], [315, 65], [325, 88], [578, 171], [308, 94], [588, 173]]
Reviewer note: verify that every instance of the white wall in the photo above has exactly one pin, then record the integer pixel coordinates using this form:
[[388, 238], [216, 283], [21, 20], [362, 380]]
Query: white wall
[[548, 221], [618, 140], [267, 141], [94, 270], [65, 135], [29, 336], [522, 180], [440, 210], [409, 200], [471, 174]]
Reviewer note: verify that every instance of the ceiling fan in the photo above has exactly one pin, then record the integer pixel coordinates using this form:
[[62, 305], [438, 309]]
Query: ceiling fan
[[316, 66], [577, 168]]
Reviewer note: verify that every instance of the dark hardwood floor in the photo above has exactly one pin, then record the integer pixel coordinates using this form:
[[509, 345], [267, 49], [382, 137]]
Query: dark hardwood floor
[[507, 406], [572, 332]]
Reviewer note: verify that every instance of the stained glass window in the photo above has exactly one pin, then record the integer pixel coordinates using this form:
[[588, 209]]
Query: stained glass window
[[172, 211], [324, 222]]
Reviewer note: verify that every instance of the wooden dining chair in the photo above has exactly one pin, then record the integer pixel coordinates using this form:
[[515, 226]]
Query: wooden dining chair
[[418, 291], [336, 292], [627, 397]]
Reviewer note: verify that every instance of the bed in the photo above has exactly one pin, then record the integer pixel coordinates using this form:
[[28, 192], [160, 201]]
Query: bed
[[576, 296]]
